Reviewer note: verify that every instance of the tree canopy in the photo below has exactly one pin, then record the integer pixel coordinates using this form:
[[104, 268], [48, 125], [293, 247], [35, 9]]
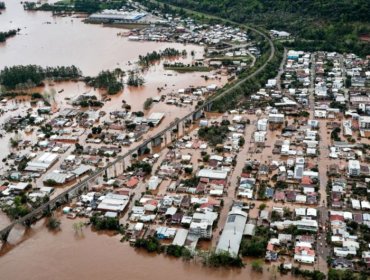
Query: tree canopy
[[33, 75]]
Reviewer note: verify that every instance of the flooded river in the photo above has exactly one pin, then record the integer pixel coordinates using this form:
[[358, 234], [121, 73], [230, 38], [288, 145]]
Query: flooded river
[[47, 40], [51, 41], [65, 255]]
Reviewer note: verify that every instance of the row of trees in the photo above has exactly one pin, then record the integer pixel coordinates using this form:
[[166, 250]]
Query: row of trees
[[150, 244], [6, 35], [309, 274], [2, 5], [26, 76], [104, 223], [81, 6], [345, 275], [93, 6], [222, 259], [154, 56]]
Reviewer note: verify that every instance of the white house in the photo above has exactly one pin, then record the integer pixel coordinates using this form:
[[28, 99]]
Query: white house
[[259, 136], [153, 183], [262, 124], [364, 122], [354, 168], [276, 118]]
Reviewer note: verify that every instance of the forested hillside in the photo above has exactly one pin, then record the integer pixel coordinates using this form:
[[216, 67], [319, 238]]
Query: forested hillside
[[325, 24], [242, 10]]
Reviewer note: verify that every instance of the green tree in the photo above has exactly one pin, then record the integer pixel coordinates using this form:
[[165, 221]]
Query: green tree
[[53, 223], [257, 265]]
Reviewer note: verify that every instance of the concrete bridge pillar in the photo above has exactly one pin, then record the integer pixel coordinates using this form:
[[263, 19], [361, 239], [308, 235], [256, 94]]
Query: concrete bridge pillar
[[150, 146], [110, 172], [165, 140], [28, 222], [188, 123], [127, 162], [118, 168], [197, 115], [168, 138], [69, 195], [180, 129], [47, 210], [140, 151], [157, 141], [115, 170], [123, 165], [208, 108], [4, 234]]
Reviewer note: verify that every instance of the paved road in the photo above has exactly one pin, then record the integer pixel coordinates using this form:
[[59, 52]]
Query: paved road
[[281, 69], [311, 90], [322, 248]]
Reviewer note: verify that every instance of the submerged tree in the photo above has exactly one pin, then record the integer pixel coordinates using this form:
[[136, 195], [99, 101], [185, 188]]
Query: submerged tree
[[257, 265], [108, 80], [148, 103], [134, 79], [53, 223], [78, 227]]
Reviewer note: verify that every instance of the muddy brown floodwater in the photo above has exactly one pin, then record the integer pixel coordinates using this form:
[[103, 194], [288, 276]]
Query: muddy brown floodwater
[[65, 255], [47, 40]]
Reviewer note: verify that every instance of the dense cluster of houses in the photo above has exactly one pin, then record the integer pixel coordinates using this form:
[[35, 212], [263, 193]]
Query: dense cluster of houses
[[314, 176], [53, 148], [184, 196], [186, 30]]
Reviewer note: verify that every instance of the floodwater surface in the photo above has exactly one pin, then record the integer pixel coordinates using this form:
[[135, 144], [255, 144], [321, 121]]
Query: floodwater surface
[[66, 255]]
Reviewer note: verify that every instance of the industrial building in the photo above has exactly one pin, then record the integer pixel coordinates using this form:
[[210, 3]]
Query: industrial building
[[155, 118], [117, 16], [113, 202], [233, 232], [212, 174], [42, 163]]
